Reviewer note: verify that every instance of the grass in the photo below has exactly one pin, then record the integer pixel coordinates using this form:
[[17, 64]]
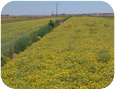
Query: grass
[[21, 44], [43, 30]]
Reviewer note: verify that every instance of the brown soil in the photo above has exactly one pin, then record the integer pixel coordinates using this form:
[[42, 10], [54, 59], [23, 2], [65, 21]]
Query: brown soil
[[14, 54]]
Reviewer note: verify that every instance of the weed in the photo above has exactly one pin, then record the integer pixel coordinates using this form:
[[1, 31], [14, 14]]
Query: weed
[[21, 44]]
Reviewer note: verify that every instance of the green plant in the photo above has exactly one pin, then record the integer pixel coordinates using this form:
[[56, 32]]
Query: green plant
[[57, 21], [21, 44], [33, 37], [4, 59], [43, 30], [8, 53]]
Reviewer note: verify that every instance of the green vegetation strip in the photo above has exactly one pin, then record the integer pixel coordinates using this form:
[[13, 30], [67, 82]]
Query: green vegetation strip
[[11, 32]]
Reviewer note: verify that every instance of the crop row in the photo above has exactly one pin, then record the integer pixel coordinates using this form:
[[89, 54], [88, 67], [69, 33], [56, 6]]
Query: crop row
[[9, 20]]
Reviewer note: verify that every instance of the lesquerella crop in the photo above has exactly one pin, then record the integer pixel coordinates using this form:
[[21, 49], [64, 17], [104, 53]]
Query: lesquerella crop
[[80, 55]]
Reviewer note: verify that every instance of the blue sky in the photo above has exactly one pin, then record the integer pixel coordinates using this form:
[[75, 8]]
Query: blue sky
[[47, 7]]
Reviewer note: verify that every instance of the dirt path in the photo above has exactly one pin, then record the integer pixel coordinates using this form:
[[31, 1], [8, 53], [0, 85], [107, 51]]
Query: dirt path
[[14, 54]]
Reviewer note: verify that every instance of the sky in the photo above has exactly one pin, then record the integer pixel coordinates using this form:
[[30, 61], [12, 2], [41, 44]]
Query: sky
[[47, 7]]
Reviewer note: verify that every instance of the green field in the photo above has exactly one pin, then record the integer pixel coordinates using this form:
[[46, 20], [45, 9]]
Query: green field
[[75, 55]]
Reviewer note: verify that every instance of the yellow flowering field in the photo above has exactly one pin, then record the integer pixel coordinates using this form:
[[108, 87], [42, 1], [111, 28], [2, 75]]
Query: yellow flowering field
[[76, 55], [11, 32], [9, 20]]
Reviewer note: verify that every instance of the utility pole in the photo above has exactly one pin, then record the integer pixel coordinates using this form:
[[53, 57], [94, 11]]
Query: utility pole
[[56, 9]]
